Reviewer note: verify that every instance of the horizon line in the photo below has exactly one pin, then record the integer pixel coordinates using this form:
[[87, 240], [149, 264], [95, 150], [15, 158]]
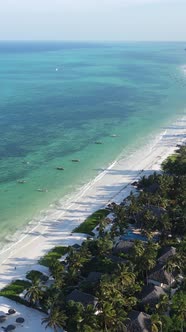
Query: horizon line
[[92, 41]]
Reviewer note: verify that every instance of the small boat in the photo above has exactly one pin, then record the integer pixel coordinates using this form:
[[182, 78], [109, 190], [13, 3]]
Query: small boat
[[25, 162], [21, 181], [98, 142], [113, 135], [60, 168], [75, 160], [42, 190]]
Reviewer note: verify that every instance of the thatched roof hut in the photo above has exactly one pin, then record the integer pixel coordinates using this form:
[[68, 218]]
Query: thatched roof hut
[[160, 276], [94, 277], [166, 253], [152, 189], [138, 322], [150, 295], [123, 246], [83, 298]]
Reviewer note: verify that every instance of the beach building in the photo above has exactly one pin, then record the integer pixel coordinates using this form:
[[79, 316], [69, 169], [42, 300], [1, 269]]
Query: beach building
[[83, 298], [150, 295], [123, 247], [166, 254], [138, 322], [94, 277], [160, 277]]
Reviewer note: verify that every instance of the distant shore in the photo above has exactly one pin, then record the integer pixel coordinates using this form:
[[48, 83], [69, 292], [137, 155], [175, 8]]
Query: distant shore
[[114, 184]]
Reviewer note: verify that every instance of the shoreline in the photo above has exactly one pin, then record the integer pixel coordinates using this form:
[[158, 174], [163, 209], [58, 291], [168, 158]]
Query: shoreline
[[65, 201], [114, 183], [11, 239]]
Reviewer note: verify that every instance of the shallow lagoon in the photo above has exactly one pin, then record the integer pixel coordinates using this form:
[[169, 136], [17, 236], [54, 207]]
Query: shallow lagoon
[[49, 117]]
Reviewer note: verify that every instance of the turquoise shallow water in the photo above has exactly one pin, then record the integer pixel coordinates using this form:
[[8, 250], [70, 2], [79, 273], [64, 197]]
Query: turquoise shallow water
[[57, 99]]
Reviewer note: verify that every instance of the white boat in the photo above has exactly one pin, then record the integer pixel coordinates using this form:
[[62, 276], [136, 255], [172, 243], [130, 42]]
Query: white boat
[[42, 190], [21, 181]]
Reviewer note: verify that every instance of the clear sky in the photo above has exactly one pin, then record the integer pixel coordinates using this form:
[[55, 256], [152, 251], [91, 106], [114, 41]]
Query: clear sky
[[93, 20]]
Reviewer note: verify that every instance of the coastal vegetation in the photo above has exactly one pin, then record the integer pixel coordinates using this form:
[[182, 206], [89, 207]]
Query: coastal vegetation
[[91, 222], [14, 290], [53, 255], [130, 275]]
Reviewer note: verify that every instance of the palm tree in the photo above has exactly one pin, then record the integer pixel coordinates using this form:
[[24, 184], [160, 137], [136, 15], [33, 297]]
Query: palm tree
[[112, 317], [147, 233], [87, 328], [77, 259], [107, 315], [56, 319], [104, 245], [89, 320], [148, 220], [123, 279], [134, 208], [156, 323], [179, 307], [165, 226], [165, 182], [120, 220], [138, 249], [163, 304], [34, 292], [75, 312], [172, 265], [149, 257], [115, 301], [57, 269], [102, 225]]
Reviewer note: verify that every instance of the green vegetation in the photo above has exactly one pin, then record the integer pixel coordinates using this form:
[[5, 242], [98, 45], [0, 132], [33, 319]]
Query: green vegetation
[[91, 222], [35, 292], [55, 320], [53, 255], [122, 270], [13, 290], [36, 275], [176, 164]]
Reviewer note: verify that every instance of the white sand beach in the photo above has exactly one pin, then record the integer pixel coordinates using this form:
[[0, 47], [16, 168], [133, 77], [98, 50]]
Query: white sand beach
[[32, 318], [114, 184]]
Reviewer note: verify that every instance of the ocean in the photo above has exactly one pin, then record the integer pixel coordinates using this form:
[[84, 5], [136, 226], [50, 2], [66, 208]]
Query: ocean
[[58, 99]]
